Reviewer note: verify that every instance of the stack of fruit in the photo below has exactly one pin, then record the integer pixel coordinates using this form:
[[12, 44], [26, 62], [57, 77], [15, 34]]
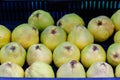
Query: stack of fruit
[[70, 45]]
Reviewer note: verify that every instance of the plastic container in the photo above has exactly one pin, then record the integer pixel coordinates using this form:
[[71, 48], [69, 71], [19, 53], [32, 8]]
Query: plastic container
[[15, 12]]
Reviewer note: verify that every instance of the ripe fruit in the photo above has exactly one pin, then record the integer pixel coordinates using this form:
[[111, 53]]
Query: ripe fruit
[[39, 70], [5, 35], [91, 54], [68, 21], [113, 54], [71, 69], [13, 52], [116, 19], [100, 69], [101, 27], [117, 37], [40, 19], [10, 69], [65, 52], [26, 35], [53, 36], [80, 36], [117, 71], [39, 52]]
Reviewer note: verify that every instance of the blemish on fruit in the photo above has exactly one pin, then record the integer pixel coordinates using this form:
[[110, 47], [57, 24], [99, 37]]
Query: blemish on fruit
[[9, 64], [34, 28], [99, 23], [53, 31], [67, 47], [59, 23], [116, 55], [37, 47], [103, 64], [37, 15], [95, 48], [12, 48], [73, 62]]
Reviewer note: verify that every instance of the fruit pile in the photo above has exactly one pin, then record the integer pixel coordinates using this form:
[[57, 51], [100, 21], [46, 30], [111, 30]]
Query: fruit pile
[[70, 45]]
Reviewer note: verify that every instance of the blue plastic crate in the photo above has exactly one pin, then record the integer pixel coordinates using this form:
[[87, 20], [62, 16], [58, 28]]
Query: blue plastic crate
[[15, 12]]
